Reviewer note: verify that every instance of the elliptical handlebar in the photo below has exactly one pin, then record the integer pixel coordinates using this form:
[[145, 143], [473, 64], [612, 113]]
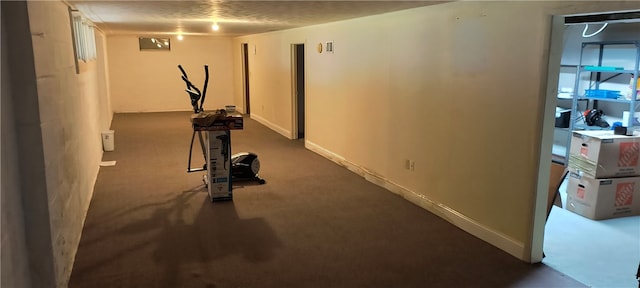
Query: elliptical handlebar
[[194, 93], [184, 74], [206, 82]]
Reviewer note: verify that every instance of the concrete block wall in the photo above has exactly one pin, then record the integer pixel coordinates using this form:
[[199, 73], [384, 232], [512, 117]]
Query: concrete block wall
[[13, 232], [71, 119], [51, 145], [27, 259]]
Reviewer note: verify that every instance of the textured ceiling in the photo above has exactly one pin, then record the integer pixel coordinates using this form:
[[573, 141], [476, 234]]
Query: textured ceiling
[[235, 18]]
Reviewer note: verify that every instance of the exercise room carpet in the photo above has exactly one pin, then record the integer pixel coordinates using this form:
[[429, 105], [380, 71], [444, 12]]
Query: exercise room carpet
[[313, 224]]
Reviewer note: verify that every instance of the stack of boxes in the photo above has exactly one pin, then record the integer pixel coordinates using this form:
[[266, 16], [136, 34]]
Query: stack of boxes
[[604, 175]]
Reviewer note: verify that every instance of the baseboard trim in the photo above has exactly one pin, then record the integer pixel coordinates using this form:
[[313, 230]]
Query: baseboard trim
[[272, 126], [495, 238], [150, 111]]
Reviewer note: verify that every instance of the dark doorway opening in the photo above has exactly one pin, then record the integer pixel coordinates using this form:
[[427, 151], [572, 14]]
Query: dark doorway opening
[[298, 52], [245, 77]]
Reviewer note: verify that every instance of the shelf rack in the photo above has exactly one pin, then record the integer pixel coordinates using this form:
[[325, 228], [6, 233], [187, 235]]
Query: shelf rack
[[604, 56]]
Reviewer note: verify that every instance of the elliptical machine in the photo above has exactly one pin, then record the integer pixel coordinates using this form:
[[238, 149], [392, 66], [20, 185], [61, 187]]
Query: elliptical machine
[[244, 165]]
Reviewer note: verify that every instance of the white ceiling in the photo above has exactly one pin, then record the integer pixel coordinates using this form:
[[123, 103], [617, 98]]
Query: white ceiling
[[235, 18]]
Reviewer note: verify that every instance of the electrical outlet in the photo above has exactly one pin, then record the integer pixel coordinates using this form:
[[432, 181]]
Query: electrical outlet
[[409, 164]]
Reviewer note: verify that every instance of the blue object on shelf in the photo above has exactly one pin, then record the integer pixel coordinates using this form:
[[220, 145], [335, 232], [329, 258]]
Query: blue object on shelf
[[599, 93], [602, 68], [616, 124]]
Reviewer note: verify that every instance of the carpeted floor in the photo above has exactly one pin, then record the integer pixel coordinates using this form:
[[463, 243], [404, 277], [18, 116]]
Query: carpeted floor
[[313, 224]]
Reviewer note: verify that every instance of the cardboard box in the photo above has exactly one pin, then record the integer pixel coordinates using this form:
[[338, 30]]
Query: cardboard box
[[211, 122], [219, 166], [601, 154], [603, 198]]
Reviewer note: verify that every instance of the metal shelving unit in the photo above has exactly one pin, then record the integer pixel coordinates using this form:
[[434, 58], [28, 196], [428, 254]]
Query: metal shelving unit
[[600, 62]]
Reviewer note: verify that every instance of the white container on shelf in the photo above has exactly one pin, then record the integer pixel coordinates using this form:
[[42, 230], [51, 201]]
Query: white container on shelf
[[628, 95], [625, 118]]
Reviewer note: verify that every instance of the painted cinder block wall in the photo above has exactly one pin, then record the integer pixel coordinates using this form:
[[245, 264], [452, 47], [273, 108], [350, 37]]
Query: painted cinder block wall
[[57, 121], [27, 259], [460, 88], [71, 119]]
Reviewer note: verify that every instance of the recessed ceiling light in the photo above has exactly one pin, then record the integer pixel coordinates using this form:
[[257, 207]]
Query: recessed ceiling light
[[215, 27], [180, 37]]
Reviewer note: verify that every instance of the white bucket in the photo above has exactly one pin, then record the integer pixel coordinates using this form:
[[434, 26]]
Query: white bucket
[[108, 140]]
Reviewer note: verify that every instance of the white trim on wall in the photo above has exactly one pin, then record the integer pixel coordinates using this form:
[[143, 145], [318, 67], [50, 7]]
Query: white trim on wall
[[503, 242], [284, 132], [550, 90]]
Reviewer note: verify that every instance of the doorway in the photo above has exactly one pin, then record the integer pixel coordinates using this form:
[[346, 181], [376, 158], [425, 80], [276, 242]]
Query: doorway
[[598, 253], [245, 77], [297, 51]]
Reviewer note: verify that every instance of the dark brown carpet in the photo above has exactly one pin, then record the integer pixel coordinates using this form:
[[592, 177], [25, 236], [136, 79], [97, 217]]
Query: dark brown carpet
[[314, 224]]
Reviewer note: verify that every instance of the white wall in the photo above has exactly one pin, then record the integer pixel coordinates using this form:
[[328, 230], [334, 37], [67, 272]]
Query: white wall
[[270, 77], [71, 126], [458, 87], [22, 168], [58, 116], [147, 81], [13, 237], [105, 111]]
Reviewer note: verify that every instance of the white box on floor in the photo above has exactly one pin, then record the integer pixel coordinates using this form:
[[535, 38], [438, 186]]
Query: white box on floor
[[603, 198], [601, 154]]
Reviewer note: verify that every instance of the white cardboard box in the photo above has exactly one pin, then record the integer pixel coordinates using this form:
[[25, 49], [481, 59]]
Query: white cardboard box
[[219, 166], [601, 154], [603, 198]]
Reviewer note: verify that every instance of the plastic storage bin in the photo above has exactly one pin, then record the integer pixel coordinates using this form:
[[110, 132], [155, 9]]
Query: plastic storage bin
[[108, 141], [599, 93]]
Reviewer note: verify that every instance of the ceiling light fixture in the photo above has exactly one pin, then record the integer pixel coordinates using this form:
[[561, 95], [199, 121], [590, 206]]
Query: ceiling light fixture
[[215, 26], [180, 37]]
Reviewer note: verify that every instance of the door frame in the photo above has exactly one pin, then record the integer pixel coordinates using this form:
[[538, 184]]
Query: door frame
[[556, 47], [295, 114], [244, 52]]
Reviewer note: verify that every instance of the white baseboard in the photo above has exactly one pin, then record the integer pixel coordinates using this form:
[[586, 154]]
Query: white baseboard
[[150, 111], [461, 221], [265, 122]]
